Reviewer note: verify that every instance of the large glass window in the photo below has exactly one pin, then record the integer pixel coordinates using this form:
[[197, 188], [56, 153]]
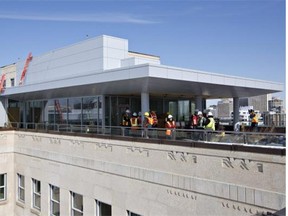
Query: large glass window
[[21, 188], [90, 111], [36, 190], [54, 201], [61, 111], [76, 204], [103, 209], [3, 186], [75, 111]]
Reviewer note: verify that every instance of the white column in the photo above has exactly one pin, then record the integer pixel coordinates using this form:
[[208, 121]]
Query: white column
[[145, 106]]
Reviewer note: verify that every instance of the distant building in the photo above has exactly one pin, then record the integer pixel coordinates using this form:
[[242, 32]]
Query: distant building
[[225, 108], [258, 102], [10, 72], [276, 105]]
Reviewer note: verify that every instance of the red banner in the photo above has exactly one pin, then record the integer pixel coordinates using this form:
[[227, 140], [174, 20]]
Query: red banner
[[2, 87], [28, 60]]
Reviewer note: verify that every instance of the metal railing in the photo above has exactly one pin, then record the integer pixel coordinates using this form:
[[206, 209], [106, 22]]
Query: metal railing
[[223, 137]]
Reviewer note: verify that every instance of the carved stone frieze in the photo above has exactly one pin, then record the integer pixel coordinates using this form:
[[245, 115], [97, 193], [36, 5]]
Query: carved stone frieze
[[243, 164], [183, 194], [103, 147], [138, 150], [3, 136], [20, 135], [241, 208], [53, 140], [182, 157], [36, 138]]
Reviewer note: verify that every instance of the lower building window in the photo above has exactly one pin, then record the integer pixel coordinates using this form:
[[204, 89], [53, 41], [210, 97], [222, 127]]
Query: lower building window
[[36, 194], [103, 209], [3, 186], [76, 204], [54, 201], [21, 188], [129, 213]]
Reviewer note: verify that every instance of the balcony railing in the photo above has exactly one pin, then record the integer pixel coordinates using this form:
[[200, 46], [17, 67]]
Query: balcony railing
[[223, 137]]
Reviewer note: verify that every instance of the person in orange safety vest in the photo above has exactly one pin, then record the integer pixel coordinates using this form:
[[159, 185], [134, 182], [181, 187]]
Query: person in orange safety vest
[[170, 125], [134, 121]]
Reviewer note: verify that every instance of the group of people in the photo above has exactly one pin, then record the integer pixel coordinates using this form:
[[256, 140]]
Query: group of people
[[203, 121], [150, 120]]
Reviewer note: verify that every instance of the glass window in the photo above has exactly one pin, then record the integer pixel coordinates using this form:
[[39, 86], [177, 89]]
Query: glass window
[[54, 200], [61, 111], [76, 204], [129, 213], [36, 194], [103, 209], [90, 111], [12, 81], [21, 188], [74, 107], [3, 186]]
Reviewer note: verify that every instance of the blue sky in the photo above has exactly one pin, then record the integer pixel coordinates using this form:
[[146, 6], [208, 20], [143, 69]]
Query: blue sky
[[235, 37]]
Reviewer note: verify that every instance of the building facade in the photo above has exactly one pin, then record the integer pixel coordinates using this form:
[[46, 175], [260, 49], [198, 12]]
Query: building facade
[[65, 174]]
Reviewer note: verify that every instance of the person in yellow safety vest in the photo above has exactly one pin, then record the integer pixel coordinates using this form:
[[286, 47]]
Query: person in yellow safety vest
[[170, 125], [134, 121], [147, 123], [210, 122], [254, 119]]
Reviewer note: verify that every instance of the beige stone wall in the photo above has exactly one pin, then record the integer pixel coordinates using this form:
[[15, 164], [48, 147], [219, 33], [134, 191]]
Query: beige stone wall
[[148, 179]]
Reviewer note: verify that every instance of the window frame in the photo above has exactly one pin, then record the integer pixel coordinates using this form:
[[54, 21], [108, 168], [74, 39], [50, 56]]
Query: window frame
[[4, 186], [20, 187], [36, 194], [129, 213], [73, 208], [99, 206], [54, 201]]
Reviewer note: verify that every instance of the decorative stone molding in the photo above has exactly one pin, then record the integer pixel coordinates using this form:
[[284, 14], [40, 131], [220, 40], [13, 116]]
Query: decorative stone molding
[[243, 164], [138, 150], [76, 142], [103, 147], [36, 138], [242, 209], [3, 136], [53, 140], [21, 135], [182, 156], [184, 194]]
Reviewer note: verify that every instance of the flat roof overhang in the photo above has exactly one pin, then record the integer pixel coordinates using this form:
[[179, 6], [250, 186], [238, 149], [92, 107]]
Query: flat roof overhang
[[157, 80]]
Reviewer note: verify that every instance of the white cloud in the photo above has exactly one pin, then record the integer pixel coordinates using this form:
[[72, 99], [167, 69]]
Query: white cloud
[[97, 17]]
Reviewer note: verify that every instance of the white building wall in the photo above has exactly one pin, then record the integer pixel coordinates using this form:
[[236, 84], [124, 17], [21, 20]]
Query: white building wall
[[147, 179], [86, 57]]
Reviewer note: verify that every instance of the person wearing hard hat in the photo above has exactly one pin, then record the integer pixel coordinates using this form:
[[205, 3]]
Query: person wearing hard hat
[[210, 122], [147, 123], [170, 127], [254, 120], [201, 121], [200, 125], [210, 125], [134, 124]]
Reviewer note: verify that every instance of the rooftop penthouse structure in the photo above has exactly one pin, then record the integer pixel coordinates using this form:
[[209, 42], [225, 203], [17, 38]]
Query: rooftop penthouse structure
[[102, 72]]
